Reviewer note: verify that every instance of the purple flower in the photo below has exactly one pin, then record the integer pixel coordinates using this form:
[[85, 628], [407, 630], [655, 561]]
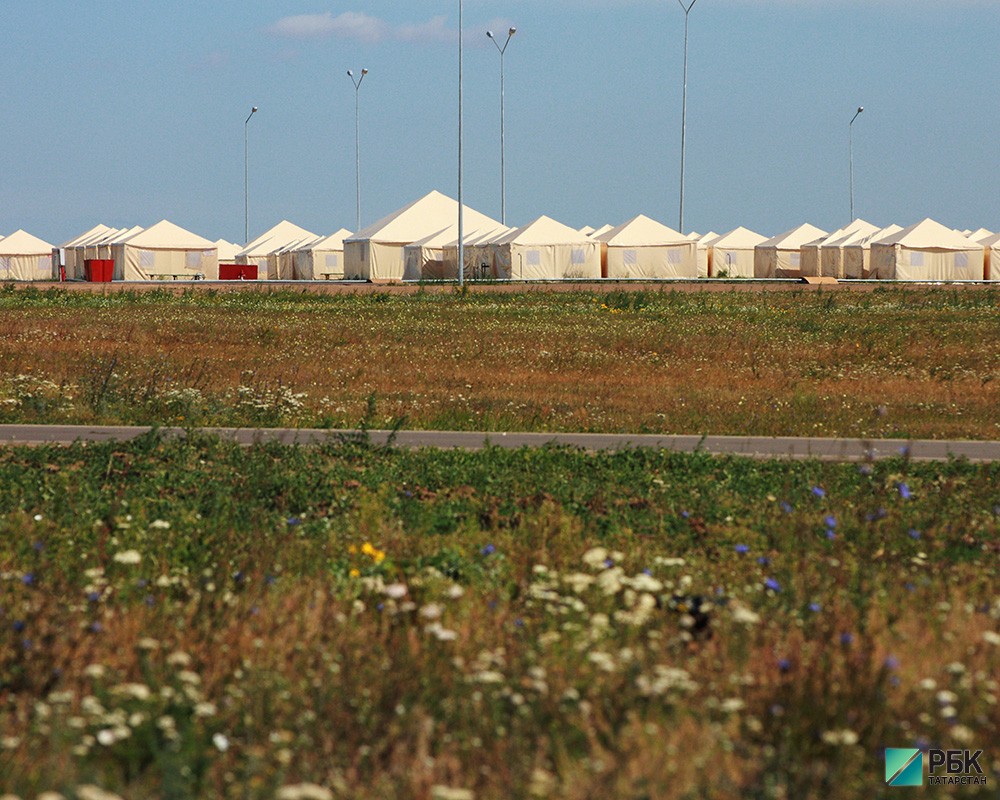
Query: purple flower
[[815, 608], [684, 514], [891, 662], [830, 534], [647, 570], [93, 597], [149, 600], [381, 606], [488, 550], [819, 491], [28, 579], [19, 626], [772, 584], [294, 521], [830, 521], [787, 507], [784, 665], [865, 469], [904, 491], [763, 561], [741, 549], [519, 622], [608, 562], [914, 533], [95, 627], [846, 639]]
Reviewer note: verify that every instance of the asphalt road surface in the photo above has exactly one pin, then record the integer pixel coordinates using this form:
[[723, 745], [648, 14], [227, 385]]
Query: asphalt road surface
[[750, 446]]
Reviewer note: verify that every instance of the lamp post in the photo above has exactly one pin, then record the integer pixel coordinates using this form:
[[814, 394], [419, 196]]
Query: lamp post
[[850, 139], [684, 107], [503, 170], [461, 219], [357, 141], [246, 177]]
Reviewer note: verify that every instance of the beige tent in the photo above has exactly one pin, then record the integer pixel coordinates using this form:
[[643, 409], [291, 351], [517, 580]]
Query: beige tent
[[478, 253], [781, 256], [24, 257], [588, 229], [980, 235], [645, 248], [601, 229], [992, 257], [811, 261], [377, 252], [831, 251], [733, 253], [927, 251], [857, 252], [165, 250], [65, 254], [705, 252], [546, 250], [227, 251], [424, 258], [261, 252], [322, 259], [281, 263]]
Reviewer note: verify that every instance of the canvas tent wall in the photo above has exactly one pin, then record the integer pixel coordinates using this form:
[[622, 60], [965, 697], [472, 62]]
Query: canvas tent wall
[[927, 251], [546, 250], [377, 252], [781, 256], [991, 266], [811, 261], [424, 258], [645, 248], [65, 254], [260, 252], [227, 251], [705, 252], [478, 253], [857, 253], [281, 264], [831, 251], [24, 257], [733, 253], [165, 249], [323, 259]]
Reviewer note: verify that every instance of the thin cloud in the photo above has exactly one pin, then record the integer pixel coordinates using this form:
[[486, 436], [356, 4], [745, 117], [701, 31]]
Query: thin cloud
[[361, 27]]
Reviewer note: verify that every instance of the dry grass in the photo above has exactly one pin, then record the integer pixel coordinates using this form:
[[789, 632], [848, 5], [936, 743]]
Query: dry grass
[[891, 362]]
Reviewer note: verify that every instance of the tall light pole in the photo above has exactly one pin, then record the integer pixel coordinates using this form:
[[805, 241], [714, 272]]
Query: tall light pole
[[246, 177], [503, 169], [357, 140], [461, 218], [684, 107], [850, 138]]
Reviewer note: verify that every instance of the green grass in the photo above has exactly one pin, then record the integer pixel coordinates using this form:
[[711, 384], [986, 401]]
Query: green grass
[[188, 619]]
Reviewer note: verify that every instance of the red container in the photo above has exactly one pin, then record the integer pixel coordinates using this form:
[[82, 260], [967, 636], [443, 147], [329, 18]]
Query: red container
[[108, 273], [248, 272], [237, 272]]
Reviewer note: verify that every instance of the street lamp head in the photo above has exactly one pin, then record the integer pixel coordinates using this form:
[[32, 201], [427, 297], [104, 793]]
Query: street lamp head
[[489, 34], [512, 31], [253, 110], [860, 109], [364, 72], [350, 73]]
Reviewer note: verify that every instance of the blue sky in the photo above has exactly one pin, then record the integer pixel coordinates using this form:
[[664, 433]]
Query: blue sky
[[126, 113]]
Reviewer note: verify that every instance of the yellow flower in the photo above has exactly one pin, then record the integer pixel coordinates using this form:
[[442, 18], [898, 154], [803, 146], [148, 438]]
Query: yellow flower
[[352, 549], [354, 573]]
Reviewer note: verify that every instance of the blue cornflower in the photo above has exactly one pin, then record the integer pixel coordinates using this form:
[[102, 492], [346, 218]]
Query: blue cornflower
[[28, 579], [772, 584], [93, 597], [741, 549], [815, 608], [95, 627], [609, 563], [685, 514], [846, 639], [294, 521], [784, 664], [914, 533], [488, 550], [904, 491], [787, 507], [830, 521], [19, 626], [830, 533], [891, 662], [763, 561], [819, 491]]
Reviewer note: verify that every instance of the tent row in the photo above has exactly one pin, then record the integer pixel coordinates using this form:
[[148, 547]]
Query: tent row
[[420, 242]]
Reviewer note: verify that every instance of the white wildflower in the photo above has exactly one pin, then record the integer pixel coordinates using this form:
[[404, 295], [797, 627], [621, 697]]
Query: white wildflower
[[844, 736], [439, 792], [221, 742], [596, 557], [992, 637], [395, 590], [159, 525], [431, 611], [304, 791], [128, 557]]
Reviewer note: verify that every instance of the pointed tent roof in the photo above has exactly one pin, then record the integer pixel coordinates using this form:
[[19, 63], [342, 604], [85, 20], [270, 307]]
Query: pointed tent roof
[[600, 230], [164, 235], [739, 238], [928, 234], [480, 236], [868, 241], [432, 212], [22, 243], [588, 229], [116, 237], [795, 238], [706, 239], [97, 230], [227, 250], [335, 241], [544, 230], [993, 242], [641, 231], [274, 239], [859, 229], [978, 235], [298, 244]]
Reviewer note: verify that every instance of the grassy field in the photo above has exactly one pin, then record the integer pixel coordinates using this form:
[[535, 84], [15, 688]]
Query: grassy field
[[893, 362], [186, 619]]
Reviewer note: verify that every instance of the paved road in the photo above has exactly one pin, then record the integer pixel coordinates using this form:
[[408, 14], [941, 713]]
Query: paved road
[[751, 446]]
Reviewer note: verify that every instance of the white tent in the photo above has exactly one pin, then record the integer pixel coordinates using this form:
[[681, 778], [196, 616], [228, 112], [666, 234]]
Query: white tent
[[992, 257], [164, 250], [927, 251], [424, 258], [645, 248], [478, 253], [857, 252], [227, 251], [705, 252], [733, 253], [588, 229], [104, 247], [322, 259], [831, 251], [66, 253], [546, 250], [811, 261], [24, 257], [781, 256], [284, 258], [261, 251], [377, 252], [980, 235]]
